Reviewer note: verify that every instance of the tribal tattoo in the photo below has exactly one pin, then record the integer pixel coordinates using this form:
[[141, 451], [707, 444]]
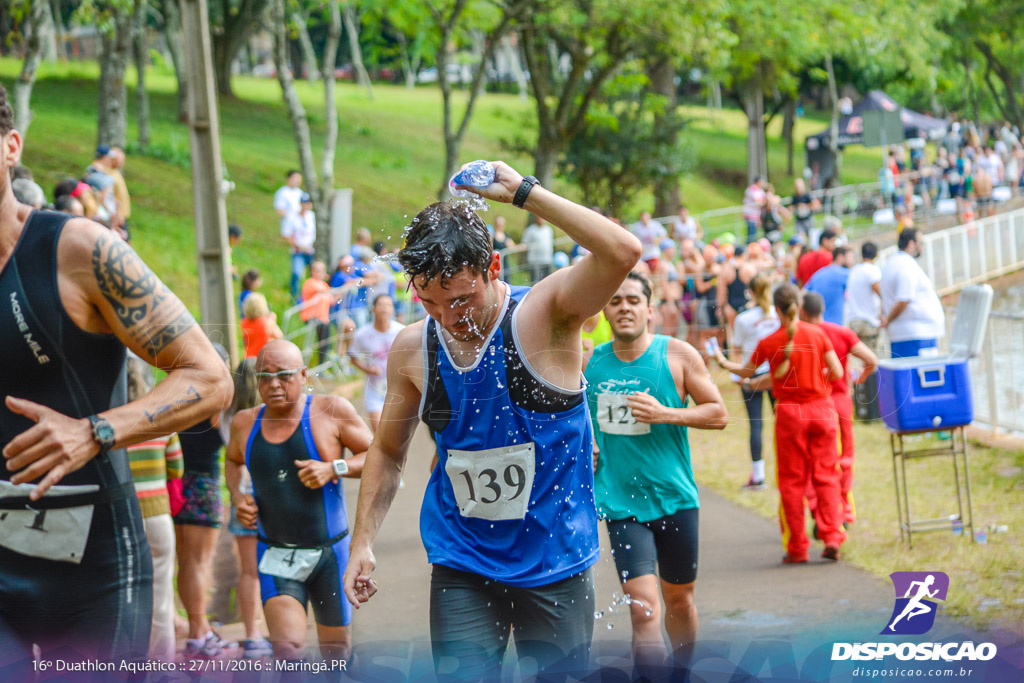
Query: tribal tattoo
[[147, 309]]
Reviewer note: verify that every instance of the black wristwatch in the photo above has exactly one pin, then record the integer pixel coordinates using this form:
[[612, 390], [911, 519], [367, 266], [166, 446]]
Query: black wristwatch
[[103, 432], [524, 191]]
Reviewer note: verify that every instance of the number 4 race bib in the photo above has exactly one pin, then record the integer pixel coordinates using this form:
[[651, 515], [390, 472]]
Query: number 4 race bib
[[614, 416], [493, 484], [290, 563]]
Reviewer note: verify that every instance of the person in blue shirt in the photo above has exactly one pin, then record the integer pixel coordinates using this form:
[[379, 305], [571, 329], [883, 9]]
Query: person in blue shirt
[[830, 283], [508, 520]]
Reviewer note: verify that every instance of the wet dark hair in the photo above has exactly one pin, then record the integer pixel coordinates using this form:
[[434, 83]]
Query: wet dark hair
[[813, 304], [443, 239], [6, 114], [869, 250], [645, 284]]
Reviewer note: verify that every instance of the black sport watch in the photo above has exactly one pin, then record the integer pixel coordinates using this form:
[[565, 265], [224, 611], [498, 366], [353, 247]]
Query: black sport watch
[[519, 200], [103, 432]]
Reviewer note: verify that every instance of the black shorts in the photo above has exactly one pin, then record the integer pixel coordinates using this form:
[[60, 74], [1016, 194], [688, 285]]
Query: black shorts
[[669, 544], [324, 588]]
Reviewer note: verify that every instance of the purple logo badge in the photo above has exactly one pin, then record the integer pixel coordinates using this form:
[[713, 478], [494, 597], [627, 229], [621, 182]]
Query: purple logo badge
[[914, 612]]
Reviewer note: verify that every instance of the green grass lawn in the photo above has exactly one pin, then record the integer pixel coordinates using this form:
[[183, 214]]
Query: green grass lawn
[[389, 152], [987, 577]]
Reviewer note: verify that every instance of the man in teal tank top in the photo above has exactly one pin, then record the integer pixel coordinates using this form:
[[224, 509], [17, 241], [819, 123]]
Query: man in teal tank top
[[639, 386]]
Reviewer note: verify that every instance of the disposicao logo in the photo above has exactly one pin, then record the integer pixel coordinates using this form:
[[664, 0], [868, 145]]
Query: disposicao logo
[[916, 593], [912, 615]]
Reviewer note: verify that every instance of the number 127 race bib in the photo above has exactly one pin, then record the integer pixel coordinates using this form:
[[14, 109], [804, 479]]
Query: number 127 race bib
[[614, 416], [492, 484]]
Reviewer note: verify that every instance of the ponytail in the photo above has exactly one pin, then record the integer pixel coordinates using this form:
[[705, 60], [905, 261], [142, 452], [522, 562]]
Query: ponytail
[[759, 287], [787, 301]]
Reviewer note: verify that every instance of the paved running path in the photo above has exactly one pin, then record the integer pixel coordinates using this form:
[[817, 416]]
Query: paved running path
[[744, 593]]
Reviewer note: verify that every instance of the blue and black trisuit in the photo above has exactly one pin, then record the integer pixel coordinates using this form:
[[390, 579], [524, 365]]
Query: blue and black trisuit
[[295, 517]]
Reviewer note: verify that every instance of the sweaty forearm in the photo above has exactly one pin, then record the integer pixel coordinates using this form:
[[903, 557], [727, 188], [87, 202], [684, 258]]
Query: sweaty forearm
[[703, 416], [381, 475]]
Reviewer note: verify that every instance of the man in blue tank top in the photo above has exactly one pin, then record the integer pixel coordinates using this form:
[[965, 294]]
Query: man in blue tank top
[[638, 387], [508, 519], [75, 568], [294, 448]]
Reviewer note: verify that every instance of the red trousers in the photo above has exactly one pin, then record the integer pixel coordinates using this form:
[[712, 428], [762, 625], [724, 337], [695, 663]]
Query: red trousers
[[843, 404], [805, 447]]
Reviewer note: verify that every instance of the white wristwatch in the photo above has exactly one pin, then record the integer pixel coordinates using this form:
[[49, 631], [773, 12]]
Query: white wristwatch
[[340, 467]]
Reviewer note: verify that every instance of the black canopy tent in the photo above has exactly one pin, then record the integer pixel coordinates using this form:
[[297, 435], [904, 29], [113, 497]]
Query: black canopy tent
[[851, 130]]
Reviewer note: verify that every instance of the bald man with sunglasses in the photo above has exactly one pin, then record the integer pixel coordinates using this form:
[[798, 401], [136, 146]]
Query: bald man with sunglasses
[[294, 447]]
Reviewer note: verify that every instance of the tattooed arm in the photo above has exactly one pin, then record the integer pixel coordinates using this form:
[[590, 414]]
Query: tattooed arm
[[107, 289]]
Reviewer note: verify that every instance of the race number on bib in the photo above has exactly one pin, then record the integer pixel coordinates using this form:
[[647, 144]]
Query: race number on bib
[[290, 563], [57, 534], [494, 484], [614, 416]]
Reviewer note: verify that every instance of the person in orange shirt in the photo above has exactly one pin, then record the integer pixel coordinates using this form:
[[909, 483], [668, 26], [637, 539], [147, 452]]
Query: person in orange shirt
[[259, 324], [317, 298], [802, 362]]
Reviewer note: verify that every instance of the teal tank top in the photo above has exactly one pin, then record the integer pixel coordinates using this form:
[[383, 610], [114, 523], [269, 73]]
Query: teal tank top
[[643, 471]]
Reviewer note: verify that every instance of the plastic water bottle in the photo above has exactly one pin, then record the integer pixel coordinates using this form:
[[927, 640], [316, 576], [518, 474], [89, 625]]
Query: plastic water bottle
[[479, 173]]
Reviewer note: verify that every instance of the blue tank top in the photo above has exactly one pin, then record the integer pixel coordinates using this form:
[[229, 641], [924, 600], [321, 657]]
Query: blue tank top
[[512, 496], [292, 514]]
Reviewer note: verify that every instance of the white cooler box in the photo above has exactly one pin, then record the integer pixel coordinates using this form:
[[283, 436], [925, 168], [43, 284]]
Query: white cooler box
[[934, 392]]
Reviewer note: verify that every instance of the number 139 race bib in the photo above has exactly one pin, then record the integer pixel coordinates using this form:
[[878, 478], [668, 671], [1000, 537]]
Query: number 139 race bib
[[493, 484], [614, 416]]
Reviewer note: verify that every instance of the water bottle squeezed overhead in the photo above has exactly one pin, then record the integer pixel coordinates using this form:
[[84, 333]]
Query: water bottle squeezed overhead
[[479, 173]]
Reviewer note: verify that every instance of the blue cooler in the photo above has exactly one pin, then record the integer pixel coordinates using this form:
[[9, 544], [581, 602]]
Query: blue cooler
[[934, 392]]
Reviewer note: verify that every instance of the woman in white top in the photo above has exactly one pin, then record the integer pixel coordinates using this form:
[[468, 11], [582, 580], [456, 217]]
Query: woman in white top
[[750, 327]]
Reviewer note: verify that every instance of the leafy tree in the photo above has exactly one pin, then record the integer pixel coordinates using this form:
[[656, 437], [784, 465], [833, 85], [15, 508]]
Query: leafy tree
[[624, 145], [114, 20]]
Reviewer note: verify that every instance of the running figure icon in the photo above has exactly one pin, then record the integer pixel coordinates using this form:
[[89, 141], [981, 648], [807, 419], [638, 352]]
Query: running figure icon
[[917, 606]]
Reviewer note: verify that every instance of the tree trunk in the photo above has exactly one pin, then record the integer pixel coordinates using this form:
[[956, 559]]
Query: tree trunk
[[37, 25], [403, 55], [50, 35], [512, 47], [544, 158], [140, 51], [352, 31], [833, 129], [113, 96], [666, 188], [788, 124], [753, 107], [323, 240], [58, 30], [308, 54], [222, 60], [176, 46]]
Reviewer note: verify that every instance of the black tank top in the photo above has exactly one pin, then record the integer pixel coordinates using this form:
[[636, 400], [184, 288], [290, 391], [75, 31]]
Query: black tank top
[[290, 512], [45, 357], [200, 448]]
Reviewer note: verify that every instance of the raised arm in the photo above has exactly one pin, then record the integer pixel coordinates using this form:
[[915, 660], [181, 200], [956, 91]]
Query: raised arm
[[385, 459], [108, 289], [571, 295]]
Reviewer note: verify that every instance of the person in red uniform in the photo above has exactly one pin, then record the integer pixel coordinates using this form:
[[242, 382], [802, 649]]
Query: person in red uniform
[[813, 261], [802, 362], [846, 343]]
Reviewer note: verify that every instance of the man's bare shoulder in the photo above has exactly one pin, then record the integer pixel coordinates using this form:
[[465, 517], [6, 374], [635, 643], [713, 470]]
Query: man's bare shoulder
[[683, 351], [408, 343], [244, 419]]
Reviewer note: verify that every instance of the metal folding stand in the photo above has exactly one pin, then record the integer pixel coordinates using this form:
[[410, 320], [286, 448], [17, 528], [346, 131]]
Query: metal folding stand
[[957, 452]]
